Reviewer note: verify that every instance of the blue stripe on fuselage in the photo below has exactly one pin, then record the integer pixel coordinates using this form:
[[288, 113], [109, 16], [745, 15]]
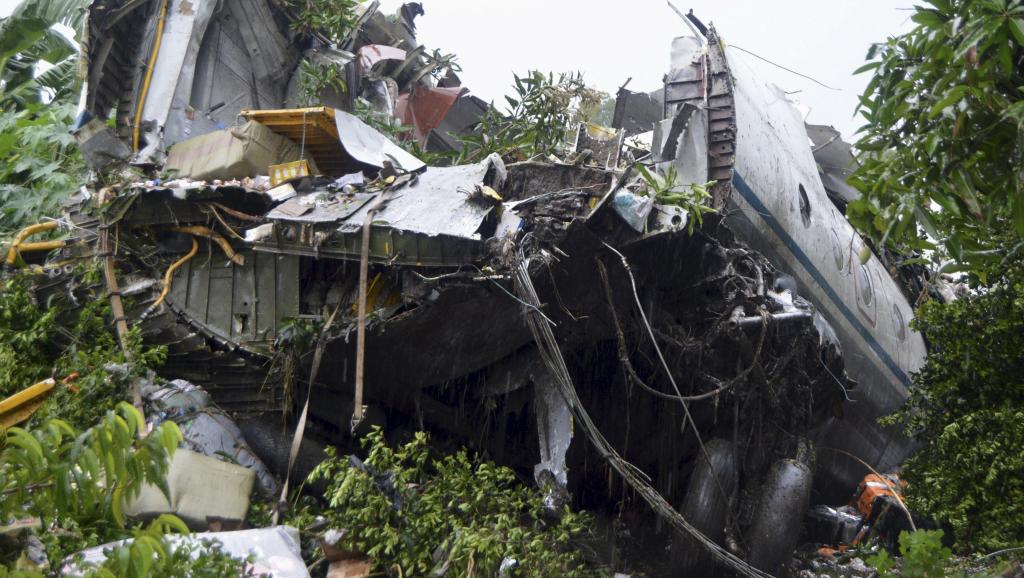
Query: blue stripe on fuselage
[[808, 265]]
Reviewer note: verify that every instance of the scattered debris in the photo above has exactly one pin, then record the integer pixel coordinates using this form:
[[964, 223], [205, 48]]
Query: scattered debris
[[201, 488], [206, 428], [275, 551]]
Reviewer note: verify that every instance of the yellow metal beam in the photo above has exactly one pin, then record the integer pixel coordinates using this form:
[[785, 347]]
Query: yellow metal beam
[[20, 406]]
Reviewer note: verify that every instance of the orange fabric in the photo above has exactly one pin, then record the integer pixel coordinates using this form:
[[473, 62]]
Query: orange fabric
[[871, 487]]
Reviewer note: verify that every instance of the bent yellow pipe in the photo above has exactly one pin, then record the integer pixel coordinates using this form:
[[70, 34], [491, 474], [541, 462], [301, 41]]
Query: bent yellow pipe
[[22, 405], [167, 279], [149, 75], [16, 244], [42, 246], [216, 238]]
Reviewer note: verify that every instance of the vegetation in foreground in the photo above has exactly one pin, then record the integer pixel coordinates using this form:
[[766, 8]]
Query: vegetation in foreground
[[942, 184], [416, 515]]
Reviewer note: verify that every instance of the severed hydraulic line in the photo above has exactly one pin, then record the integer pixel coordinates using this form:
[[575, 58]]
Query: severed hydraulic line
[[551, 354]]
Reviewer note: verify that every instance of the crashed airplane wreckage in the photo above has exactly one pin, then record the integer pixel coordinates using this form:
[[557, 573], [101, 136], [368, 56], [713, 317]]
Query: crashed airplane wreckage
[[497, 304]]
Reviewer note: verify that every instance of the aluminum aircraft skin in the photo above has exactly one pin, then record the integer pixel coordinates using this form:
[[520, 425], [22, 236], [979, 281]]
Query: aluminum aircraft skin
[[772, 195]]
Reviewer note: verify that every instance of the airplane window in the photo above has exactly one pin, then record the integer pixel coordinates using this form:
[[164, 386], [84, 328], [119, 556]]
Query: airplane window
[[837, 251], [805, 207], [867, 293], [899, 324]]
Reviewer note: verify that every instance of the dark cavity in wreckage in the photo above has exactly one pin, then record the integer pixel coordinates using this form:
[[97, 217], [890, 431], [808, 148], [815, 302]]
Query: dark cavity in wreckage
[[546, 313]]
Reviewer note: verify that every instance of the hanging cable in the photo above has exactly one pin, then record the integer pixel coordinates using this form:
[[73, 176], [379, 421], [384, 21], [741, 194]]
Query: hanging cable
[[551, 354]]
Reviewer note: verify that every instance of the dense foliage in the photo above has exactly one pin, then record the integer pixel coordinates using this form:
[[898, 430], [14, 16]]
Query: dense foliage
[[39, 166], [333, 19], [151, 555], [944, 140], [28, 38], [77, 484], [59, 339], [406, 509], [967, 407], [943, 177]]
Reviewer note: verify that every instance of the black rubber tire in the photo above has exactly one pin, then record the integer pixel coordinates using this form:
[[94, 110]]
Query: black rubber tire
[[706, 508], [272, 443], [778, 520]]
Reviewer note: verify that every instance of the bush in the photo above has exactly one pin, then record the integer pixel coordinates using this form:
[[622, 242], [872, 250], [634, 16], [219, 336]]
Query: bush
[[151, 555], [923, 554], [38, 341], [77, 484], [406, 509], [967, 406], [40, 166]]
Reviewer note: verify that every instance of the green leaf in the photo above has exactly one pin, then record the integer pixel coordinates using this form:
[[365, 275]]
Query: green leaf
[[928, 18], [1018, 215], [117, 505], [867, 67], [951, 97], [925, 219], [1016, 26]]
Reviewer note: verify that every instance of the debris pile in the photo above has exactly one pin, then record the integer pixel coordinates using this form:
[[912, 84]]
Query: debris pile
[[706, 357]]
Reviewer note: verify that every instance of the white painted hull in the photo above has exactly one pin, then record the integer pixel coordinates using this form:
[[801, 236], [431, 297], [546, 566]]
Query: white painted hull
[[813, 242]]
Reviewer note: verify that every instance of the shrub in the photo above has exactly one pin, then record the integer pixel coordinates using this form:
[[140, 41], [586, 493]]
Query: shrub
[[406, 509], [967, 406]]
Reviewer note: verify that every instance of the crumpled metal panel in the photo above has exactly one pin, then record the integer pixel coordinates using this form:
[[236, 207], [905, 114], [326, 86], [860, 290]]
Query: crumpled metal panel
[[685, 146], [835, 161], [369, 146], [215, 58], [240, 60], [638, 112], [437, 202], [425, 108], [304, 210], [182, 35], [372, 54], [462, 118]]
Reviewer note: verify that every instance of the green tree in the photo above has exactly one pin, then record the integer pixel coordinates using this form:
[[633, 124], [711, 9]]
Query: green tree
[[540, 118], [77, 484], [944, 141], [967, 406], [58, 339], [943, 176], [28, 37], [39, 164]]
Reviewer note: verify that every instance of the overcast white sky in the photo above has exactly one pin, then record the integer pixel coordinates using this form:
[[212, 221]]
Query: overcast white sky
[[611, 40]]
